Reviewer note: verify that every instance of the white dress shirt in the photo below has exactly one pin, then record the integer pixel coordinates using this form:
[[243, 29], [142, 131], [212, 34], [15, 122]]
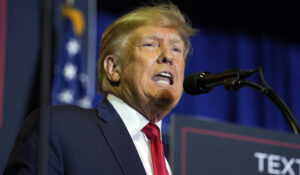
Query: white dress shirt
[[135, 122]]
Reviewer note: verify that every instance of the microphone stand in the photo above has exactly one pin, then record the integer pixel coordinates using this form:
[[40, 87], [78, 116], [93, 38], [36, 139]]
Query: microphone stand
[[237, 83]]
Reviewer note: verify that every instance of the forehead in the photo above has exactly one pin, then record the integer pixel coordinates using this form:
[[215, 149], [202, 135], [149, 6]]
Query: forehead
[[156, 32]]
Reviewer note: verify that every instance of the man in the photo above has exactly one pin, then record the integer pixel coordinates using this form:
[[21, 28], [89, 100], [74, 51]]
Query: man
[[141, 71]]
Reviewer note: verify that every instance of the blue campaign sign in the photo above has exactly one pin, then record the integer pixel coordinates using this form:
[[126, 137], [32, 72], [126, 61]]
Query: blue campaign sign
[[212, 147]]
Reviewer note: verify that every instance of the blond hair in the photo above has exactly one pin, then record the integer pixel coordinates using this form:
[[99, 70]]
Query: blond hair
[[116, 35]]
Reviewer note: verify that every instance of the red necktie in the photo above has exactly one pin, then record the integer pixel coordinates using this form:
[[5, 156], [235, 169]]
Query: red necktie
[[157, 151]]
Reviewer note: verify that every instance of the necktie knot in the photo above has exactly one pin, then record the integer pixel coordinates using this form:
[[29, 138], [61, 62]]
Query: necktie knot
[[151, 131]]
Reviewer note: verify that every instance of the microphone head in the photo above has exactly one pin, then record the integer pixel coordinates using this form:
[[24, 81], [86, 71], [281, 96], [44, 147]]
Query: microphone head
[[203, 82], [192, 85]]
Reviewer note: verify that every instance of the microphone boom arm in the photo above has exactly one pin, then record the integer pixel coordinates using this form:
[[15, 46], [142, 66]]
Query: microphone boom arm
[[235, 84]]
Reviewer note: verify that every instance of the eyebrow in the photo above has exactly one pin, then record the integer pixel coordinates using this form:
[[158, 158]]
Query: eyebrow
[[153, 36], [174, 39]]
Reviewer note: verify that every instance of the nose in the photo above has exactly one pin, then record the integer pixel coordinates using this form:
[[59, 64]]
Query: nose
[[166, 59], [166, 56]]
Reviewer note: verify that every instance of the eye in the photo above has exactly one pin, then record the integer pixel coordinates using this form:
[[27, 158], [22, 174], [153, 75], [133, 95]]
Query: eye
[[150, 44], [178, 50]]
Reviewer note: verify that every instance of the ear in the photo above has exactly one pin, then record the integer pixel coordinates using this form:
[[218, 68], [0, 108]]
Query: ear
[[112, 68]]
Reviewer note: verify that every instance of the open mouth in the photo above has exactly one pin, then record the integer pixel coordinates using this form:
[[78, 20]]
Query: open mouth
[[164, 78]]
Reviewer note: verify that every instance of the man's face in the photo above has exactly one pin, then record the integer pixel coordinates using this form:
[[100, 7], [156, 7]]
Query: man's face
[[152, 73]]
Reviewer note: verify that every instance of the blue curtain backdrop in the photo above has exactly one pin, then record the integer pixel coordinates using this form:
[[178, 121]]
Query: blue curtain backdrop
[[216, 51]]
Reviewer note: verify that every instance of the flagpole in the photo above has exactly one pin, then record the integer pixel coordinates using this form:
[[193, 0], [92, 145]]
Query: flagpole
[[46, 55], [91, 47]]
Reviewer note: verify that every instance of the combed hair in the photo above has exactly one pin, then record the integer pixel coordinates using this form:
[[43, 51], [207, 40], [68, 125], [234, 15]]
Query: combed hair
[[116, 35]]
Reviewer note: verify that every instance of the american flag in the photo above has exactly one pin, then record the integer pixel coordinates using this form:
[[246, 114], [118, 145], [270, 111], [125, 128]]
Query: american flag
[[70, 76]]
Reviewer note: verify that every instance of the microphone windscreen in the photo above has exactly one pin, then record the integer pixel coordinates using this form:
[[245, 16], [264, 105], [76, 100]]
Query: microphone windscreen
[[190, 84]]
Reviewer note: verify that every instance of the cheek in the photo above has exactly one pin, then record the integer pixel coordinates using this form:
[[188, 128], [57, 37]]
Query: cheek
[[181, 68], [139, 73]]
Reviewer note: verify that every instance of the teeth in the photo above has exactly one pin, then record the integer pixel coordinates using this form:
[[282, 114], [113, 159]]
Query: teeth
[[165, 74], [163, 82]]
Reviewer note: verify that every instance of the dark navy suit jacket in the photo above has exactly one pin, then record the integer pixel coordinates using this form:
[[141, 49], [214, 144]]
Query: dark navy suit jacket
[[81, 142]]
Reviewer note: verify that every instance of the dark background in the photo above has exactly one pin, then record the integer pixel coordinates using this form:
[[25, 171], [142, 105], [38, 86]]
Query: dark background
[[256, 17]]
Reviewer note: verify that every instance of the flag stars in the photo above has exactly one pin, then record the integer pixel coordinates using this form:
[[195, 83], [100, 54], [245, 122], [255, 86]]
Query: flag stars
[[70, 71], [73, 47], [83, 78], [66, 96], [70, 81], [84, 102]]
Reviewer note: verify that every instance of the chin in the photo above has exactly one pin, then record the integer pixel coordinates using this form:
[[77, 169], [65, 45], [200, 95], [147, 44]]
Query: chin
[[165, 98]]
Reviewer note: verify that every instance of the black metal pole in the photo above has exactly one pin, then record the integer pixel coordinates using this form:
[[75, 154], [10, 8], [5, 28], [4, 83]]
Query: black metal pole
[[46, 55], [237, 83], [277, 100]]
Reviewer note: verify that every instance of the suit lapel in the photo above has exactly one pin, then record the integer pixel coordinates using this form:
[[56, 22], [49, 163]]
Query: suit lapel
[[119, 140]]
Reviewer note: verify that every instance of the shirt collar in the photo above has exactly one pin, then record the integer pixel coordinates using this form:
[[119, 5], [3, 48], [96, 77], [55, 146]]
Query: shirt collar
[[133, 120]]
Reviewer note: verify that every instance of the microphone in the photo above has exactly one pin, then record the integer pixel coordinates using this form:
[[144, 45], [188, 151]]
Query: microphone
[[203, 82]]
